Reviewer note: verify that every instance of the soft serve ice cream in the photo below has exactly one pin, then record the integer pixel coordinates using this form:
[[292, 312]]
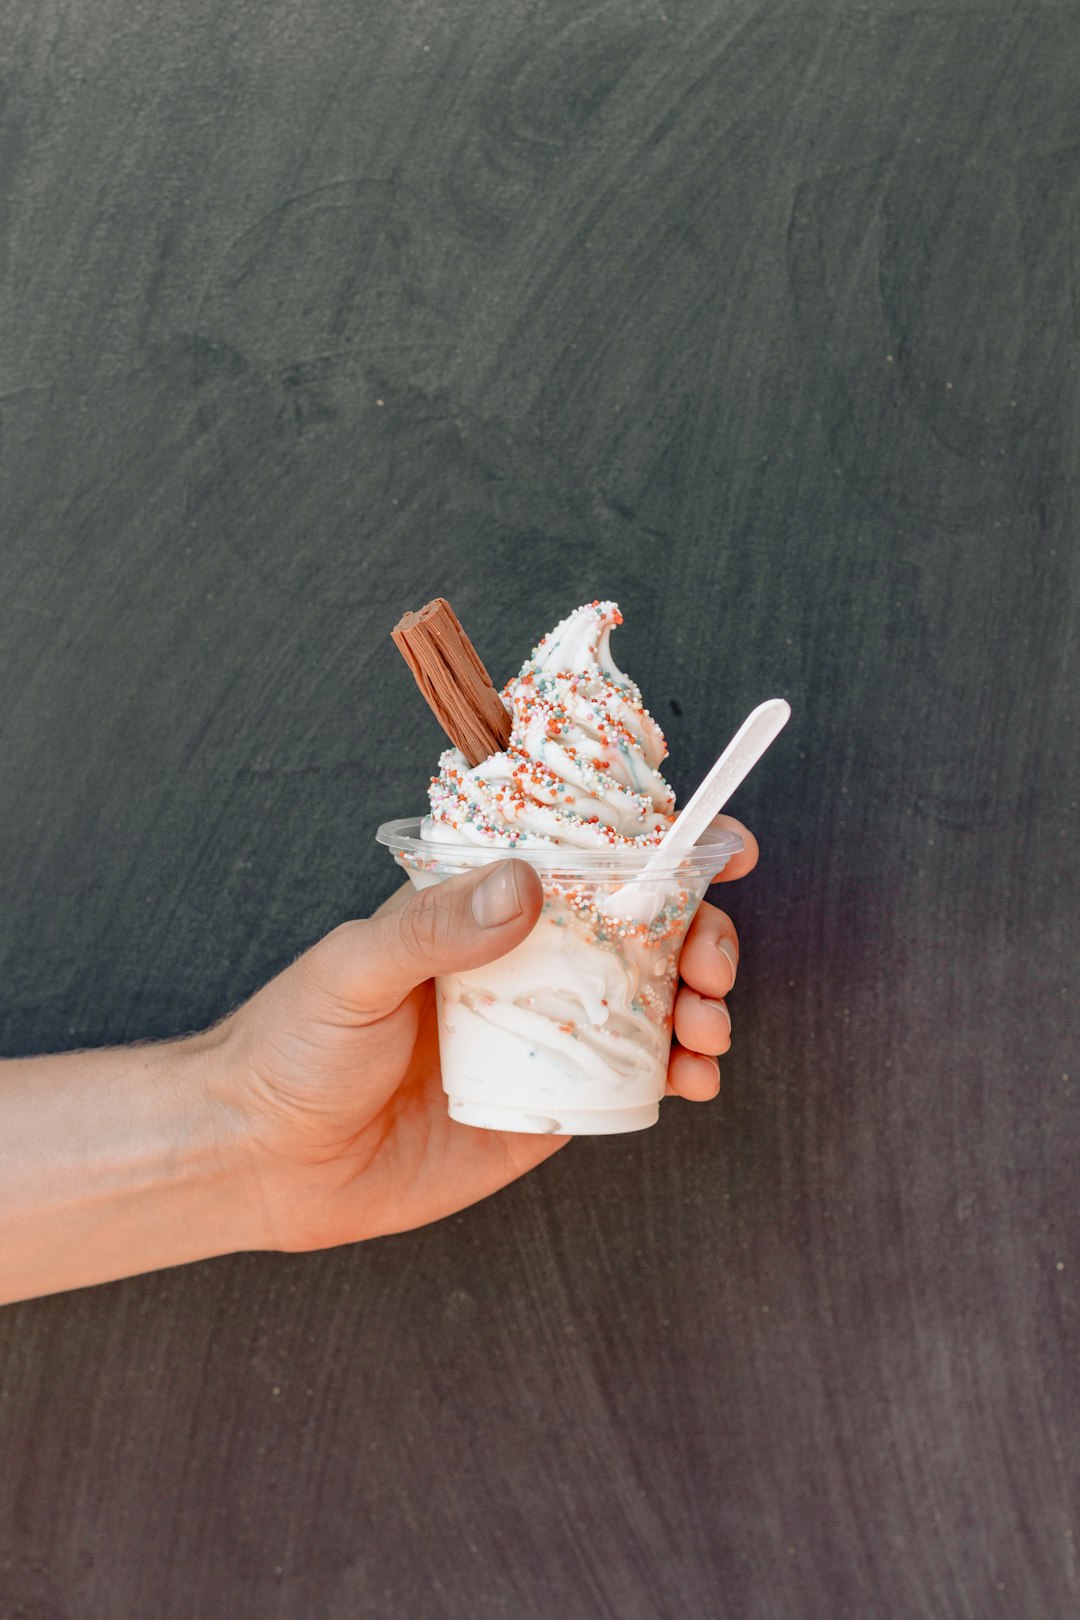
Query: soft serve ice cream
[[569, 1032], [581, 767]]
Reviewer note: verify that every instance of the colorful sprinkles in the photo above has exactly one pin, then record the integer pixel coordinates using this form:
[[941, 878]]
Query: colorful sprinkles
[[581, 764]]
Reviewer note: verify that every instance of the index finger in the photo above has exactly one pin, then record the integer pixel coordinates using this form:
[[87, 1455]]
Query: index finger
[[746, 859]]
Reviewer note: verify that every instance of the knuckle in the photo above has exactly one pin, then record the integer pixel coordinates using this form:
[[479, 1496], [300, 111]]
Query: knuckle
[[318, 972], [312, 968], [423, 930]]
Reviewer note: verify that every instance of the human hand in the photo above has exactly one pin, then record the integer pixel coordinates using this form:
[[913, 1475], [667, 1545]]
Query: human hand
[[330, 1073]]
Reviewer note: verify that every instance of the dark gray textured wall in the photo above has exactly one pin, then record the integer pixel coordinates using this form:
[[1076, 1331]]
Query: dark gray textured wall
[[763, 320]]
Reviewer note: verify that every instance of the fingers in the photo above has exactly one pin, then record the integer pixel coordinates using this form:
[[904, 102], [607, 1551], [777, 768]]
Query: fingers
[[393, 902], [710, 953], [370, 966], [692, 1075], [701, 1024], [746, 859], [707, 966]]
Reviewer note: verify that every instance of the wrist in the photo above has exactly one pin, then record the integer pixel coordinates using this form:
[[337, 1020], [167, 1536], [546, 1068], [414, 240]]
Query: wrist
[[223, 1162]]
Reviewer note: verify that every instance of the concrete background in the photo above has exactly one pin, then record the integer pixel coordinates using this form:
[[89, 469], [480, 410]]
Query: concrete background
[[763, 320]]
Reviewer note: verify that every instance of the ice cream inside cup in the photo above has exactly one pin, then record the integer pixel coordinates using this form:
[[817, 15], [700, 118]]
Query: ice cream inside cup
[[570, 1032]]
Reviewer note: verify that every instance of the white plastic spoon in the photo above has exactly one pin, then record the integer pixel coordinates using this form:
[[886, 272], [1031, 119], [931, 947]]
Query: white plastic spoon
[[760, 729]]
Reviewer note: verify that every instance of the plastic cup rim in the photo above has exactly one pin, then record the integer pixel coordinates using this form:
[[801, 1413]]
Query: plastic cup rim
[[712, 851]]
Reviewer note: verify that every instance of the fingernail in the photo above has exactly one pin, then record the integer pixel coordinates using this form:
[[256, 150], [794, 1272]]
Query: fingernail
[[719, 1005], [729, 951], [495, 899]]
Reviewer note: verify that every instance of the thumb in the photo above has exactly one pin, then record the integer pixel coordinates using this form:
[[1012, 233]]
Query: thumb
[[461, 923]]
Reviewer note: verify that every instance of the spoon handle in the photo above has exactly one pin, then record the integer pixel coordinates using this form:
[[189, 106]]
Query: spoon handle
[[760, 728]]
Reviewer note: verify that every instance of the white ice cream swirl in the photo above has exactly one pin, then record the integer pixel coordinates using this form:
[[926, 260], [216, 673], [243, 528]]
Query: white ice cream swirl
[[581, 764]]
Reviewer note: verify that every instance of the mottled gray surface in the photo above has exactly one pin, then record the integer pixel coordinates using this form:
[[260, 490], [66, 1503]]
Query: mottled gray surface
[[763, 320]]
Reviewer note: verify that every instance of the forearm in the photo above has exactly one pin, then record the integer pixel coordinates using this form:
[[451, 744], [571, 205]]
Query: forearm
[[115, 1162]]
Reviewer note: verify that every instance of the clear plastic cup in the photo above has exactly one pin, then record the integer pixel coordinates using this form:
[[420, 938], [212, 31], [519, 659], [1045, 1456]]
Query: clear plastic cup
[[570, 1032]]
